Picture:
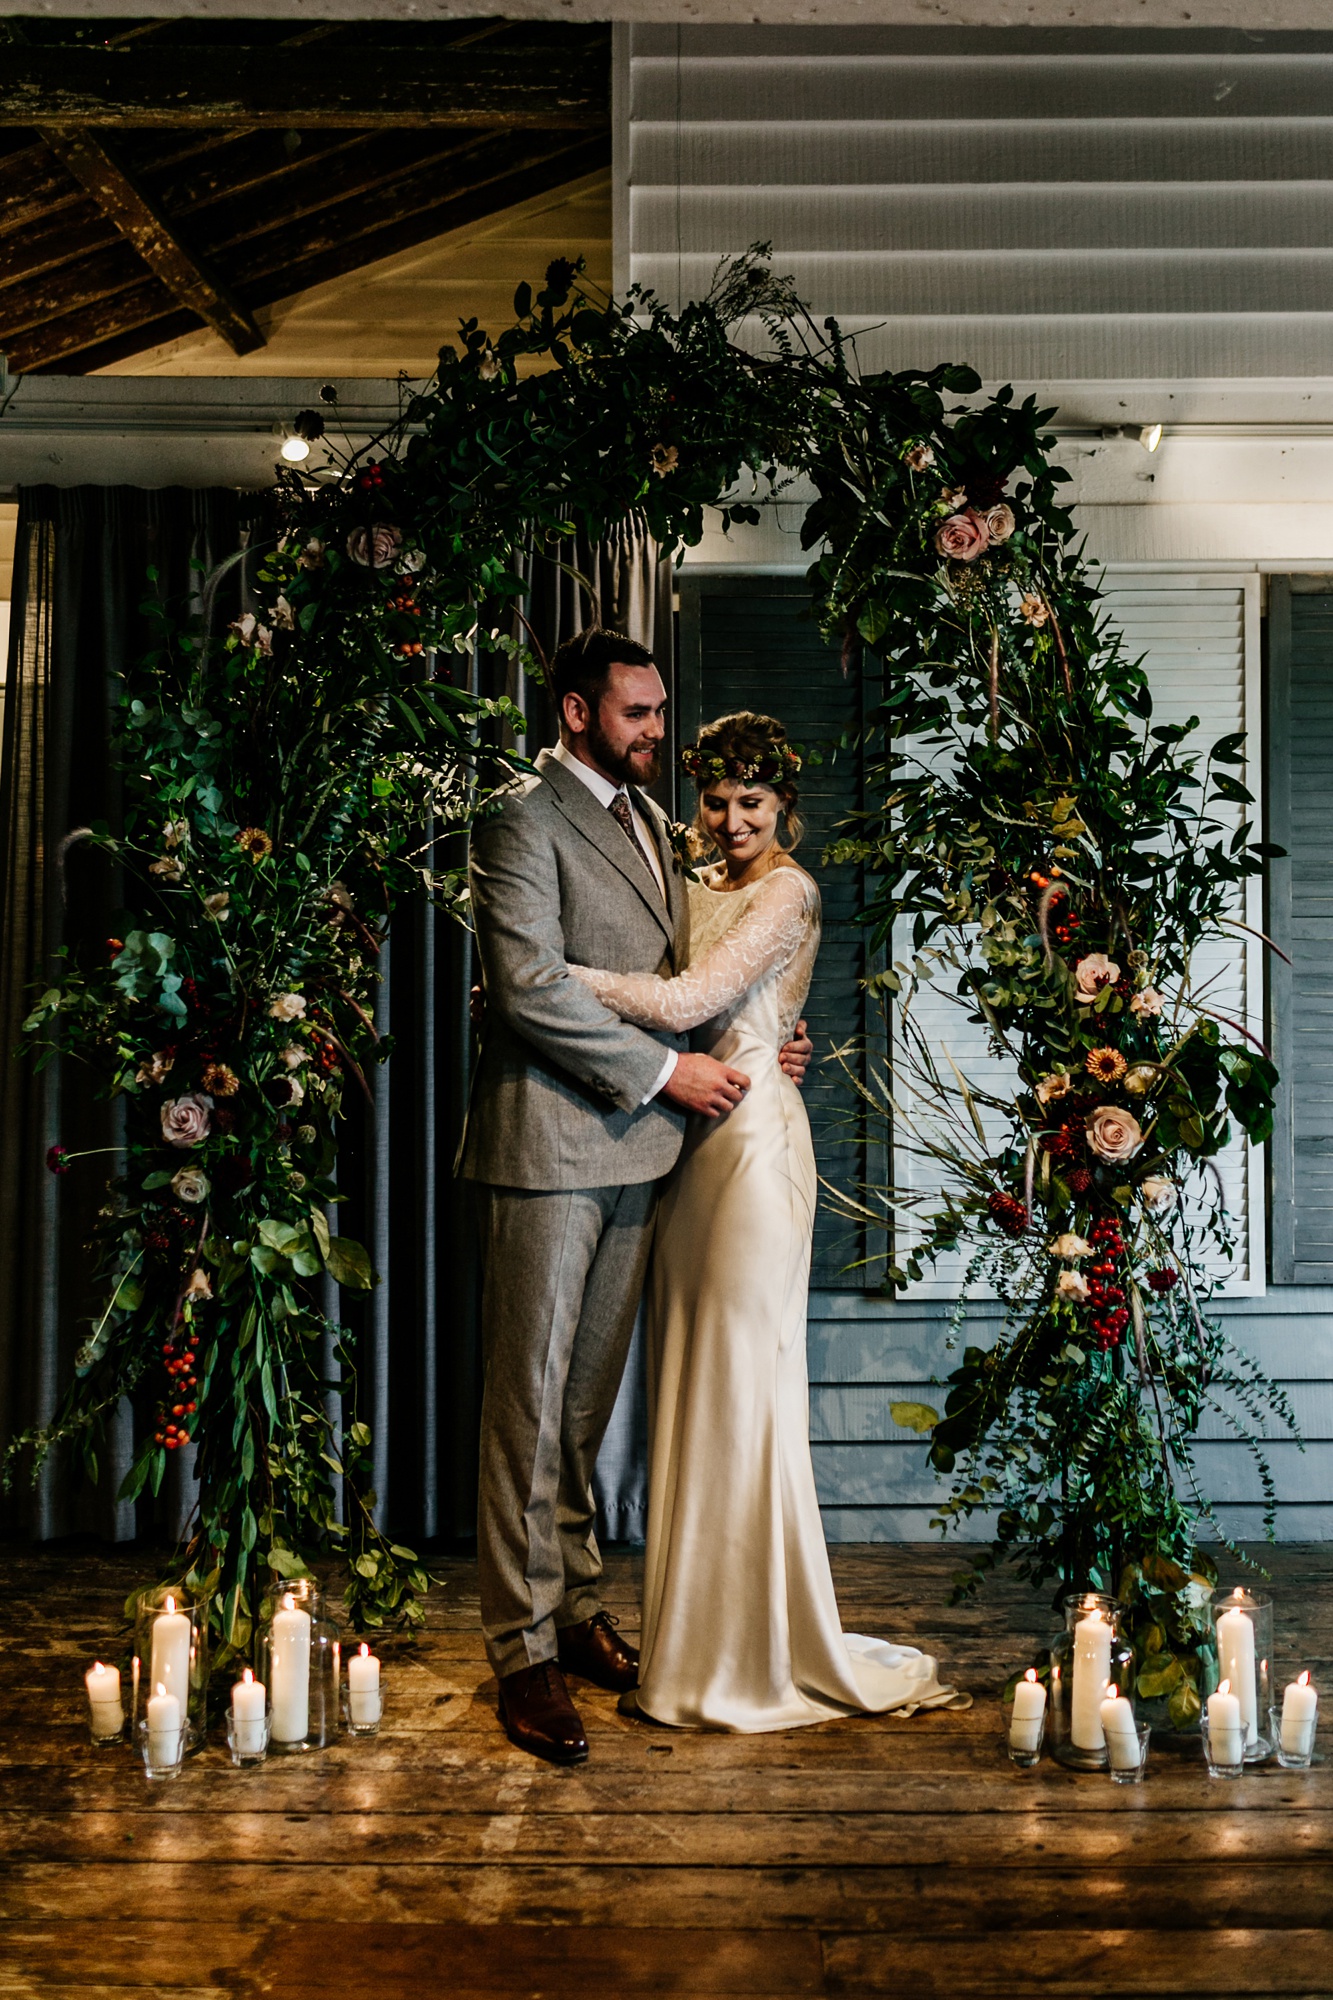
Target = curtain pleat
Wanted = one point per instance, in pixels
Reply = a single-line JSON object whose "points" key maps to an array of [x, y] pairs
{"points": [[80, 573]]}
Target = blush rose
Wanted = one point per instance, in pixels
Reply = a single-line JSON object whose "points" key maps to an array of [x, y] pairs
{"points": [[1114, 1135], [186, 1120], [963, 537]]}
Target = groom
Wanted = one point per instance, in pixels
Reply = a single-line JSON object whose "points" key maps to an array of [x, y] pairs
{"points": [[575, 1117]]}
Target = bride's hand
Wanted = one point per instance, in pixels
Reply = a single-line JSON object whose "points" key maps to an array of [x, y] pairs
{"points": [[794, 1056]]}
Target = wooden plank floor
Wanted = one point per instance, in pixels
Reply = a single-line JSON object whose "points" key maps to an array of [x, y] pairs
{"points": [[859, 1858]]}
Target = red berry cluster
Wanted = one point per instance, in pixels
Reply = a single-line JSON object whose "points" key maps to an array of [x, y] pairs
{"points": [[177, 1408], [1078, 1180], [1009, 1212], [164, 1230], [1066, 928], [1106, 1299], [1068, 1143], [323, 1054], [1164, 1279], [371, 479]]}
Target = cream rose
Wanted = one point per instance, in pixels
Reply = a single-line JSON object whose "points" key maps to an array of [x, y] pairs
{"points": [[1147, 1002], [1000, 523], [1114, 1135], [155, 1069], [962, 537], [1071, 1285], [376, 547], [294, 1055], [287, 1007], [1157, 1194], [1091, 974], [190, 1184], [1139, 1080], [185, 1120], [1071, 1246]]}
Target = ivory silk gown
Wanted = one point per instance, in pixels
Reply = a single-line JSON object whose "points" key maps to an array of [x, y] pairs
{"points": [[740, 1624]]}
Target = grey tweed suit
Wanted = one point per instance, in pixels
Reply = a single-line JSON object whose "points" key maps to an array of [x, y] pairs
{"points": [[567, 1157]]}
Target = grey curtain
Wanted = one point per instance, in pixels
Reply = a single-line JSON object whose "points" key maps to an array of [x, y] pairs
{"points": [[80, 573]]}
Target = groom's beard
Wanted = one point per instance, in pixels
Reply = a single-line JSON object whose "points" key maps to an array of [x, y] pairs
{"points": [[641, 764]]}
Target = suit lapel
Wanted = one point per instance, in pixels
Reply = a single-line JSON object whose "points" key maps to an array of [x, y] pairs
{"points": [[595, 823], [678, 905]]}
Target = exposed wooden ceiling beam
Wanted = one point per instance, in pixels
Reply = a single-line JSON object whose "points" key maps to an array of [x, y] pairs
{"points": [[124, 203], [324, 85]]}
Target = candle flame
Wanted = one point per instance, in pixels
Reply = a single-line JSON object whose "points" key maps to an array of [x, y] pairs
{"points": [[1303, 1680], [1094, 1616], [1031, 1674], [1238, 1593], [1055, 1673], [160, 1688], [289, 1602], [171, 1604], [364, 1650], [1112, 1692], [98, 1668], [247, 1676], [1224, 1687]]}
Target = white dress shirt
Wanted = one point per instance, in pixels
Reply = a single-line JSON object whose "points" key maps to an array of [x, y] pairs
{"points": [[604, 790]]}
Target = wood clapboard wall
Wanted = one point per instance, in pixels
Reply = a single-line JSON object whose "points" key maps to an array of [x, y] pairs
{"points": [[1045, 204]]}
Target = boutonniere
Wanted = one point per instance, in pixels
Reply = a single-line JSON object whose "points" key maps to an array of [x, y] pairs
{"points": [[684, 850]]}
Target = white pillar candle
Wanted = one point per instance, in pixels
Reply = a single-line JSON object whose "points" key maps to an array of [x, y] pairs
{"points": [[1092, 1671], [363, 1686], [169, 1663], [1235, 1663], [1029, 1709], [247, 1714], [103, 1684], [1120, 1730], [290, 1670], [1226, 1727], [1300, 1709], [164, 1728]]}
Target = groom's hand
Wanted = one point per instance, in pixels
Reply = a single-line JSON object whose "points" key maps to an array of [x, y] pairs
{"points": [[698, 1083], [794, 1056]]}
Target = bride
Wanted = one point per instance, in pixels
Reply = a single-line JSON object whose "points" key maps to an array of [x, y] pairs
{"points": [[740, 1623]]}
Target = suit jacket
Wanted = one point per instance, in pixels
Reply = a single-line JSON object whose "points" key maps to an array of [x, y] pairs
{"points": [[557, 1095]]}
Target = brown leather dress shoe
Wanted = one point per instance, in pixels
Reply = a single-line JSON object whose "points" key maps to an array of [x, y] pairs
{"points": [[539, 1716], [596, 1650]]}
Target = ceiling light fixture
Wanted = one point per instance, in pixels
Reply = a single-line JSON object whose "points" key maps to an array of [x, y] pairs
{"points": [[296, 450]]}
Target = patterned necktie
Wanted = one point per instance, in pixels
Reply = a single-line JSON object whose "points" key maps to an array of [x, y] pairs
{"points": [[622, 812]]}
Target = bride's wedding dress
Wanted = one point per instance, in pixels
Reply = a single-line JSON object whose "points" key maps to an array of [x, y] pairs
{"points": [[740, 1623]]}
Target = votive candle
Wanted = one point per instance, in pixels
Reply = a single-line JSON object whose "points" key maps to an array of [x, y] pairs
{"points": [[1300, 1711], [107, 1715], [363, 1686], [247, 1714]]}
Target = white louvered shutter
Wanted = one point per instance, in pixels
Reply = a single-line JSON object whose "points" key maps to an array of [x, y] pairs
{"points": [[1199, 639]]}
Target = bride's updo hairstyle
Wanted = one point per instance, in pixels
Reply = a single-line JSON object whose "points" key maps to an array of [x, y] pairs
{"points": [[753, 750]]}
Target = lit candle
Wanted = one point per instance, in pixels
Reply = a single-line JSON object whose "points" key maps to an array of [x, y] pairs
{"points": [[1235, 1662], [1120, 1730], [363, 1686], [1092, 1671], [1300, 1709], [290, 1722], [1226, 1728], [247, 1714], [1029, 1709], [103, 1684], [164, 1728], [169, 1663]]}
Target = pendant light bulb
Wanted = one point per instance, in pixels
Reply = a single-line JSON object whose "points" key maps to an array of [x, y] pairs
{"points": [[296, 450]]}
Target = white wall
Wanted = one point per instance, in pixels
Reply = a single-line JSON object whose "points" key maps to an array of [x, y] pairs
{"points": [[1136, 232]]}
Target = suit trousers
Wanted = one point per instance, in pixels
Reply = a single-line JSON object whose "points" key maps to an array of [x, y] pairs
{"points": [[562, 1274]]}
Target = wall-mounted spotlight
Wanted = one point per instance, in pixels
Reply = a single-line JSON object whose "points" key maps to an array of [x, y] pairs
{"points": [[1150, 436], [298, 437]]}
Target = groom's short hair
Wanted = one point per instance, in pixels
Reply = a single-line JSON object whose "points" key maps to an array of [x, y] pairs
{"points": [[583, 664]]}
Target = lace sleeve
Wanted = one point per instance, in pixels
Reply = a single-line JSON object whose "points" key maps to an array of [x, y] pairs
{"points": [[765, 939]]}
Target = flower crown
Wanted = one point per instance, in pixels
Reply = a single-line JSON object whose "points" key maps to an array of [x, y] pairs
{"points": [[775, 766]]}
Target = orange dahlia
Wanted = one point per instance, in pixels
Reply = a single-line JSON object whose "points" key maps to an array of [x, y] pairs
{"points": [[219, 1081], [253, 840], [1107, 1065]]}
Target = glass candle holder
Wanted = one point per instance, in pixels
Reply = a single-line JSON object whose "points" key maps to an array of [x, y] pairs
{"points": [[247, 1738], [106, 1715], [298, 1663], [1243, 1622], [171, 1651], [1221, 1748], [1291, 1731], [1086, 1658], [1125, 1773], [363, 1695], [162, 1743]]}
